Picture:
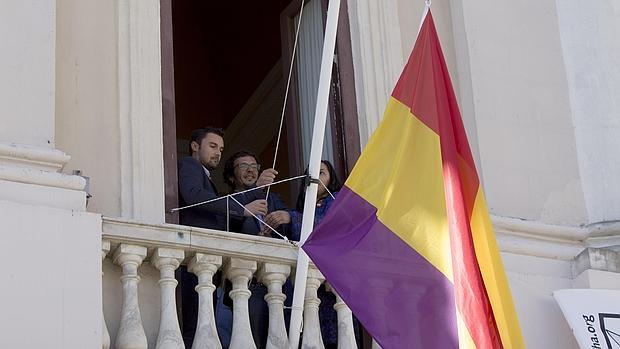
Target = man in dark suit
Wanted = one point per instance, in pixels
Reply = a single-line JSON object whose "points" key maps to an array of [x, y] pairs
{"points": [[195, 186]]}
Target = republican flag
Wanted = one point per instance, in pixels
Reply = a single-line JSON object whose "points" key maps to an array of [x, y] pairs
{"points": [[408, 243]]}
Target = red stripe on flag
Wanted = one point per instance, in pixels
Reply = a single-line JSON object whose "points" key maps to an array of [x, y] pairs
{"points": [[425, 87], [413, 91]]}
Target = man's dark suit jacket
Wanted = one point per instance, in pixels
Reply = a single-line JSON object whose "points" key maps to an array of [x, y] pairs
{"points": [[194, 187], [249, 225]]}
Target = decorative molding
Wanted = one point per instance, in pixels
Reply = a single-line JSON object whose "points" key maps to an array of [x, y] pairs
{"points": [[32, 157], [553, 241], [36, 165], [597, 259], [213, 242], [140, 110], [44, 178], [538, 229], [538, 246]]}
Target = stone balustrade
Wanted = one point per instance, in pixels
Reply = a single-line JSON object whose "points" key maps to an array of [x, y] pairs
{"points": [[140, 290]]}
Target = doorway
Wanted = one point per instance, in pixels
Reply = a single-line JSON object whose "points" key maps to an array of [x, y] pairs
{"points": [[225, 64]]}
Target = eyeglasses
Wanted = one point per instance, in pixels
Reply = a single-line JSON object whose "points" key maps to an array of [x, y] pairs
{"points": [[244, 166]]}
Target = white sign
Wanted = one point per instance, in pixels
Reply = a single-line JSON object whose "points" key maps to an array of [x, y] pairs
{"points": [[593, 315]]}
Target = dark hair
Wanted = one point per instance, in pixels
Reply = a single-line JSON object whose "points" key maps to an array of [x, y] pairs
{"points": [[199, 134], [229, 166], [334, 185]]}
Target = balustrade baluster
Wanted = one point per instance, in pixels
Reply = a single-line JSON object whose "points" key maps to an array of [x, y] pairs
{"points": [[167, 260], [239, 272], [274, 276], [205, 266], [130, 332], [346, 334], [105, 340], [312, 329]]}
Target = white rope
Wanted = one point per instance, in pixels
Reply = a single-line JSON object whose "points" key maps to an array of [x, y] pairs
{"points": [[288, 84], [237, 193], [261, 221], [329, 192]]}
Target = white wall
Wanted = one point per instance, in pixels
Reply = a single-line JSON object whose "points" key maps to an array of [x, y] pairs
{"points": [[51, 292], [525, 130], [27, 71], [591, 52], [87, 122], [532, 281]]}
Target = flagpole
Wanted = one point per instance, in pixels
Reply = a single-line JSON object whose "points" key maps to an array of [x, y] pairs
{"points": [[314, 167]]}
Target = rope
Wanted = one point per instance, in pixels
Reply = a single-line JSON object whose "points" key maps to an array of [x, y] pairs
{"points": [[329, 192], [237, 193], [261, 221], [288, 84]]}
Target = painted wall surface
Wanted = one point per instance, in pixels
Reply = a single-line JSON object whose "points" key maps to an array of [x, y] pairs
{"points": [[27, 71], [87, 122], [532, 282], [591, 51], [525, 131], [519, 108], [51, 266]]}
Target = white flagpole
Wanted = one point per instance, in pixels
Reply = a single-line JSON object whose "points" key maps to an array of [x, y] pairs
{"points": [[318, 134]]}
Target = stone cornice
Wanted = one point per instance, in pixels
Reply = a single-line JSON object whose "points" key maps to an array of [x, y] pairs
{"points": [[553, 241], [36, 165], [215, 242], [36, 158], [38, 177]]}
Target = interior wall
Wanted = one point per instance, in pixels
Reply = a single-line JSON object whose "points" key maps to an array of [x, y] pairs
{"points": [[87, 123], [227, 75], [222, 53]]}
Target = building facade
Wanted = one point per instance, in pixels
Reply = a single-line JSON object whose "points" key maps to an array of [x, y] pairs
{"points": [[112, 88]]}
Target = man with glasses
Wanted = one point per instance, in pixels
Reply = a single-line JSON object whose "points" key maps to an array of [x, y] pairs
{"points": [[241, 172]]}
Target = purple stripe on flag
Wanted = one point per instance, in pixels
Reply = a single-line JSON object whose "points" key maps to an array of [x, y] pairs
{"points": [[400, 298]]}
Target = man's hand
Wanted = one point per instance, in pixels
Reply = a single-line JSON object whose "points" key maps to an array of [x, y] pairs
{"points": [[257, 207], [266, 177], [277, 218], [266, 232]]}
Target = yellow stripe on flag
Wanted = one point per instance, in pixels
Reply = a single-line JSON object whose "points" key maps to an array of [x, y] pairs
{"points": [[495, 280], [400, 173], [465, 340]]}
